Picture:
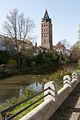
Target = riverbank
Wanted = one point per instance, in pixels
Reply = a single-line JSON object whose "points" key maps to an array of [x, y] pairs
{"points": [[56, 76], [7, 71]]}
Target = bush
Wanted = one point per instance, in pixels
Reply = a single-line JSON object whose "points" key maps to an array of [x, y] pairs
{"points": [[12, 62], [66, 60]]}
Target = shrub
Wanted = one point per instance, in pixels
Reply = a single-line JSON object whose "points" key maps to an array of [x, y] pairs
{"points": [[12, 62], [66, 60]]}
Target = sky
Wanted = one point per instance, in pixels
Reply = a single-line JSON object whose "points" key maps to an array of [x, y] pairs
{"points": [[65, 15]]}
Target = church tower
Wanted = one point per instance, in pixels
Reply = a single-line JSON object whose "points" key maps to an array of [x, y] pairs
{"points": [[46, 31]]}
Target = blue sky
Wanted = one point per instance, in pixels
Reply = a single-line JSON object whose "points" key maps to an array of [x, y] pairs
{"points": [[64, 14]]}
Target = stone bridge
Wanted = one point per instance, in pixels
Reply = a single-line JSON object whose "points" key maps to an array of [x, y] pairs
{"points": [[59, 105]]}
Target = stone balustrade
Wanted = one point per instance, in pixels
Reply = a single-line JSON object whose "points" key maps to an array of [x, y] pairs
{"points": [[54, 100]]}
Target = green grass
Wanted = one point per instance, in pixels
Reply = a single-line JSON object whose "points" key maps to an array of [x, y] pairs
{"points": [[77, 69], [26, 104], [18, 108]]}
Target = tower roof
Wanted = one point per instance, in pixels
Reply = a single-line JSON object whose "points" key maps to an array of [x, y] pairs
{"points": [[46, 17]]}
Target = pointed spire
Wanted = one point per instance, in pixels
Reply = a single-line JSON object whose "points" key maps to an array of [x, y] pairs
{"points": [[46, 17]]}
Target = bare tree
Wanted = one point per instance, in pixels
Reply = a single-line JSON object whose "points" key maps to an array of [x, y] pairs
{"points": [[65, 43], [17, 26]]}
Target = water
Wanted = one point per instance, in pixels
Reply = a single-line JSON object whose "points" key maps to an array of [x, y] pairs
{"points": [[15, 86]]}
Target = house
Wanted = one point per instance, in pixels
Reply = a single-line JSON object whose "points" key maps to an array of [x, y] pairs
{"points": [[2, 47], [59, 48], [24, 44], [62, 49], [6, 43]]}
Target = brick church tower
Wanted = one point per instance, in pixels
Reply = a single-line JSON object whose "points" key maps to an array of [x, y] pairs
{"points": [[46, 31]]}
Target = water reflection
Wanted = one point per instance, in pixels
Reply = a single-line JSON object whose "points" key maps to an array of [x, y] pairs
{"points": [[10, 89], [36, 86], [8, 93]]}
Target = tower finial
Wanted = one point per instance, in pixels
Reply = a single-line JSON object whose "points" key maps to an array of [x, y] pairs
{"points": [[46, 17]]}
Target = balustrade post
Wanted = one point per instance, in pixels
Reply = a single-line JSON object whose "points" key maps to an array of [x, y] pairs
{"points": [[67, 81], [74, 76], [52, 91]]}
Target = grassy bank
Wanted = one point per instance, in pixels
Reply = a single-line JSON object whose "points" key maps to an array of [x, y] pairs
{"points": [[18, 108]]}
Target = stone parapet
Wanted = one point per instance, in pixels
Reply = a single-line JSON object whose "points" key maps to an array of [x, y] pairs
{"points": [[55, 98]]}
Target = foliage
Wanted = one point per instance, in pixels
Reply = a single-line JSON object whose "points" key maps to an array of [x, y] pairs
{"points": [[66, 60], [12, 62], [47, 58], [44, 62], [78, 66], [76, 51], [3, 57], [78, 62]]}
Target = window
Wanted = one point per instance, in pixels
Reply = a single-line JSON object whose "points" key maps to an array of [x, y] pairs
{"points": [[44, 41], [42, 25]]}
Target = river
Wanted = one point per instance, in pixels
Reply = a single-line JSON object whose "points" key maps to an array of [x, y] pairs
{"points": [[16, 85]]}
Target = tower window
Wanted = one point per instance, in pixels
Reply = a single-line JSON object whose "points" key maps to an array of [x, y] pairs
{"points": [[43, 35], [44, 41]]}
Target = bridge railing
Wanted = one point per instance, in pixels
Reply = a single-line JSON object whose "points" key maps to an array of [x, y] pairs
{"points": [[52, 100], [55, 98], [9, 109]]}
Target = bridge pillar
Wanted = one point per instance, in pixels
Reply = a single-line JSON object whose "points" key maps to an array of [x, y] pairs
{"points": [[52, 91]]}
